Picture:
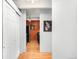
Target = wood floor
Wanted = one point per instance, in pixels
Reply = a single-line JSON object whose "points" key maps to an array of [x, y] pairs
{"points": [[35, 55], [33, 52]]}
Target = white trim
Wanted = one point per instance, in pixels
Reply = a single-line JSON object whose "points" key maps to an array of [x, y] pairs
{"points": [[14, 6]]}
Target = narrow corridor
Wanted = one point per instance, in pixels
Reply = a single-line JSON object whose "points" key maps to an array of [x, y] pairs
{"points": [[33, 46], [34, 53]]}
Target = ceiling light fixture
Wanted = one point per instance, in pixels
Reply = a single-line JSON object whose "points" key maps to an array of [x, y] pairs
{"points": [[32, 1]]}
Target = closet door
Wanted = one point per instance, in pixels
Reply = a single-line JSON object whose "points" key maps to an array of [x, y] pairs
{"points": [[10, 32]]}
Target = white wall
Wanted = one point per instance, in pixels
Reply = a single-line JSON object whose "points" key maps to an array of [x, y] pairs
{"points": [[33, 12], [45, 37], [23, 31], [11, 34], [64, 29]]}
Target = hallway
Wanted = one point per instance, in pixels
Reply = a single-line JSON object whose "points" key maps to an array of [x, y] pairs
{"points": [[24, 33], [33, 44], [34, 53], [58, 34]]}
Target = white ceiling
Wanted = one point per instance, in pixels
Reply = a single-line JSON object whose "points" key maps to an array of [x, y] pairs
{"points": [[23, 4]]}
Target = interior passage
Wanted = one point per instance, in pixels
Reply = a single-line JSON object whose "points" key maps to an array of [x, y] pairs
{"points": [[33, 42]]}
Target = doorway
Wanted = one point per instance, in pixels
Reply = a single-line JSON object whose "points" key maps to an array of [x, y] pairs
{"points": [[33, 35]]}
